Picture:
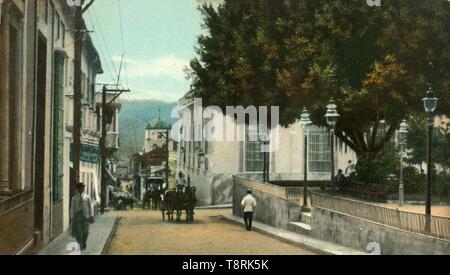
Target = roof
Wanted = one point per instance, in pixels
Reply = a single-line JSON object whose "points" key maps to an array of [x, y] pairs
{"points": [[157, 124]]}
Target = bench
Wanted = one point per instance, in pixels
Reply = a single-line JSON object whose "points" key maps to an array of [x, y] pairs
{"points": [[372, 192]]}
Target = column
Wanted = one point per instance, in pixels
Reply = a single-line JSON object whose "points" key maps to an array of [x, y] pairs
{"points": [[4, 102]]}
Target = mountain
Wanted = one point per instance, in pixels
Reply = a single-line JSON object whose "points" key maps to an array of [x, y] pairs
{"points": [[133, 119]]}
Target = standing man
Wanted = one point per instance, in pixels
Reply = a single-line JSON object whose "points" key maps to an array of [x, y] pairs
{"points": [[340, 180], [82, 214], [249, 204], [350, 171]]}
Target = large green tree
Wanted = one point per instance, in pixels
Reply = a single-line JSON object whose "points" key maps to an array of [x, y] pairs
{"points": [[376, 62], [417, 142]]}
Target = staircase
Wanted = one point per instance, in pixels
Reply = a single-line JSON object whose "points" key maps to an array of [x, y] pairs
{"points": [[303, 226]]}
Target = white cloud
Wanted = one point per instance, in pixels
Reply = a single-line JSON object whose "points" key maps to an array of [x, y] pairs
{"points": [[146, 94], [166, 66]]}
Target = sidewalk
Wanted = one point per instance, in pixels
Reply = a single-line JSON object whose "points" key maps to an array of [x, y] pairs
{"points": [[221, 206], [312, 244], [100, 234]]}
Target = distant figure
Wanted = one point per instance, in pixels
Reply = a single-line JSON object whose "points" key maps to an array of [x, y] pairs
{"points": [[249, 204], [181, 182], [82, 213], [340, 180], [350, 171], [130, 188]]}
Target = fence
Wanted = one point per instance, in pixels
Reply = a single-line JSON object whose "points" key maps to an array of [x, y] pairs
{"points": [[412, 222], [286, 193]]}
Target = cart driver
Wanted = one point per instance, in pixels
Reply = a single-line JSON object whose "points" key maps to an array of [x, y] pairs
{"points": [[181, 182]]}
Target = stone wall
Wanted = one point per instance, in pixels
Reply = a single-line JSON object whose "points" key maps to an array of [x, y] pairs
{"points": [[358, 233], [271, 209]]}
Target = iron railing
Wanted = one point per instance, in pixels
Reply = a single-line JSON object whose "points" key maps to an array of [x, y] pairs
{"points": [[408, 221]]}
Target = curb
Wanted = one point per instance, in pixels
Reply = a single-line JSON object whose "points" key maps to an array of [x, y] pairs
{"points": [[213, 207], [111, 236]]}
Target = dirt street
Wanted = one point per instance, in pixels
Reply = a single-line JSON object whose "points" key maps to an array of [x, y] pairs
{"points": [[144, 233]]}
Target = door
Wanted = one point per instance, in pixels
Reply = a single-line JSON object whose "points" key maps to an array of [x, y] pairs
{"points": [[58, 144], [40, 125]]}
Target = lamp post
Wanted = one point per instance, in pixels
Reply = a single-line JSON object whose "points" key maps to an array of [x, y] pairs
{"points": [[264, 138], [332, 118], [305, 121], [402, 135], [430, 105]]}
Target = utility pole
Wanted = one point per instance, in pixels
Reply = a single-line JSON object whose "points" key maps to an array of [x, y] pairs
{"points": [[167, 159], [76, 148], [103, 152], [103, 148]]}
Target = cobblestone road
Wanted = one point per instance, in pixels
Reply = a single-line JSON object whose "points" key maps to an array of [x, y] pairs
{"points": [[144, 233]]}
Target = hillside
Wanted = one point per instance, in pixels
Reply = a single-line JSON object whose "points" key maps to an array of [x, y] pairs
{"points": [[134, 117]]}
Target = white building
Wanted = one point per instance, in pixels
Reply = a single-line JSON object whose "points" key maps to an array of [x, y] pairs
{"points": [[155, 134], [210, 165]]}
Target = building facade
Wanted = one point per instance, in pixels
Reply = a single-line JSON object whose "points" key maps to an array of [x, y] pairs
{"points": [[210, 164], [36, 105]]}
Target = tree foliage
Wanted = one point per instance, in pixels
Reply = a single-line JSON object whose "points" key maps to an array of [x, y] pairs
{"points": [[376, 62], [417, 143]]}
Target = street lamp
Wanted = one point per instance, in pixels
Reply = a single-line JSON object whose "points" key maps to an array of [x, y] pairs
{"points": [[430, 103], [305, 121], [264, 138], [402, 135], [332, 118]]}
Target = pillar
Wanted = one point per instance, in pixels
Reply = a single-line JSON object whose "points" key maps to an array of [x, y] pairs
{"points": [[4, 102]]}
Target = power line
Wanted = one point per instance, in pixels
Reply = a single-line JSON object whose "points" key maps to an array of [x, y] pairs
{"points": [[104, 40], [101, 48]]}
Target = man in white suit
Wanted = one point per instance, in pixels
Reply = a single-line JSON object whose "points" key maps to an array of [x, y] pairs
{"points": [[249, 204], [82, 214]]}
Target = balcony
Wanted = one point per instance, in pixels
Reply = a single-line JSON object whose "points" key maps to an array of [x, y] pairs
{"points": [[112, 140]]}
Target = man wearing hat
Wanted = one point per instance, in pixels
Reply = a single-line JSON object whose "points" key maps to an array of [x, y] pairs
{"points": [[181, 182], [82, 213], [249, 204]]}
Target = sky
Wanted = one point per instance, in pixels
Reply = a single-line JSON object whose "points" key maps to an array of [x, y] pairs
{"points": [[156, 38]]}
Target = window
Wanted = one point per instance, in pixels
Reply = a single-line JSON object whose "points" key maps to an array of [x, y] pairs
{"points": [[319, 150], [63, 29], [11, 29], [46, 11], [57, 26], [254, 157], [98, 118]]}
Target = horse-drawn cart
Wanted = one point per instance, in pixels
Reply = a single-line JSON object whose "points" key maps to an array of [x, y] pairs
{"points": [[176, 201]]}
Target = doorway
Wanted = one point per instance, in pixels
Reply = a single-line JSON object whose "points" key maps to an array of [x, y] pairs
{"points": [[40, 125]]}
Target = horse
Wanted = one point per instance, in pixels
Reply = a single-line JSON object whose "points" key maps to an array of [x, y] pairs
{"points": [[189, 203], [176, 201], [171, 205], [153, 199]]}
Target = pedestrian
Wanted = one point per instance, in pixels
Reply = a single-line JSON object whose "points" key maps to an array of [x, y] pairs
{"points": [[340, 180], [249, 204], [350, 171], [82, 214]]}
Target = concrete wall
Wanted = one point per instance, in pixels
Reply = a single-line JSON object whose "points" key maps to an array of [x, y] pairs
{"points": [[16, 224], [358, 233], [271, 210]]}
